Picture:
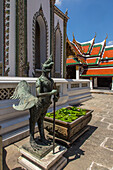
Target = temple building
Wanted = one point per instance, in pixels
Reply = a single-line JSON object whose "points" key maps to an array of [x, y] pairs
{"points": [[31, 30], [90, 60]]}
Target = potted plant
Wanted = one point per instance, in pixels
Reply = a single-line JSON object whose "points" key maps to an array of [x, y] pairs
{"points": [[70, 122]]}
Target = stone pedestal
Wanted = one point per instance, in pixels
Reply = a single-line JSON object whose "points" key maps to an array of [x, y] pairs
{"points": [[51, 161]]}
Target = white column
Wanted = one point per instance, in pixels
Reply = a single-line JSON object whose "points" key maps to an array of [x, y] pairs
{"points": [[77, 72], [95, 82], [112, 84], [91, 83]]}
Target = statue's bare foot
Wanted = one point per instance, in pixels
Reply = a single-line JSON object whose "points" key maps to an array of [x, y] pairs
{"points": [[45, 141], [35, 146]]}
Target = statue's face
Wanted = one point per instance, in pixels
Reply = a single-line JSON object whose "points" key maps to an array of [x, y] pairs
{"points": [[47, 67]]}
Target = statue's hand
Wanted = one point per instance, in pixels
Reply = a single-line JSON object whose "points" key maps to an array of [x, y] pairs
{"points": [[54, 91]]}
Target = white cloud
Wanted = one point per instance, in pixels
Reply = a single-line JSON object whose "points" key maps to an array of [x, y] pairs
{"points": [[58, 2], [110, 43]]}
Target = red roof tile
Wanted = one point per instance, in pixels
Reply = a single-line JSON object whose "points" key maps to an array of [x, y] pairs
{"points": [[92, 61], [96, 50], [108, 53], [106, 63], [71, 61], [85, 48], [98, 72]]}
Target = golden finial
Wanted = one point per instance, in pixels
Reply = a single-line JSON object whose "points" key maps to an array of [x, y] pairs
{"points": [[73, 38], [106, 36], [66, 13], [95, 35]]}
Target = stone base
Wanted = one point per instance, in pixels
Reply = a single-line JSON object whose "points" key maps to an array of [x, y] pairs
{"points": [[42, 151], [50, 161]]}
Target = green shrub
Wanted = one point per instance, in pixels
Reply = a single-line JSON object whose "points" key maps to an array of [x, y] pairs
{"points": [[68, 114]]}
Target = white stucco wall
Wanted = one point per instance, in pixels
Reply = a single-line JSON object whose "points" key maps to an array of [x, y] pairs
{"points": [[33, 7], [12, 38], [1, 30], [60, 20]]}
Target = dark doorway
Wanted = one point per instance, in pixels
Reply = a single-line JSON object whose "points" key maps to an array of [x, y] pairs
{"points": [[71, 72], [104, 82], [37, 46]]}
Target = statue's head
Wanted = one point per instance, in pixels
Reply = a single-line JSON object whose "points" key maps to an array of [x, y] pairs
{"points": [[47, 66]]}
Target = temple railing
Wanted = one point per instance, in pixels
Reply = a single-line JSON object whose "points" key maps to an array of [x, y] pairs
{"points": [[15, 123]]}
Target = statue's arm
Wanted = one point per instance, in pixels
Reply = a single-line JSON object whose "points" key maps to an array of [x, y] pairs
{"points": [[38, 90], [56, 96], [46, 94]]}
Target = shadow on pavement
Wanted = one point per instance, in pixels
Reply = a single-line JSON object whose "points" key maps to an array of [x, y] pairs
{"points": [[5, 167], [74, 151]]}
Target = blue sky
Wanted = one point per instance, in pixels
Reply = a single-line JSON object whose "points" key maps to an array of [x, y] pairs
{"points": [[88, 17]]}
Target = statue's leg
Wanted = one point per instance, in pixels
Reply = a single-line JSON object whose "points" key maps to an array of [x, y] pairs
{"points": [[41, 128], [32, 121], [31, 127]]}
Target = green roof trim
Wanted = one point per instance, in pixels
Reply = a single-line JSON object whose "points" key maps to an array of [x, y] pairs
{"points": [[110, 48], [97, 75], [72, 64], [106, 65], [108, 58]]}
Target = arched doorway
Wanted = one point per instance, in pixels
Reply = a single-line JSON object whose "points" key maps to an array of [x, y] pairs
{"points": [[40, 43], [58, 51]]}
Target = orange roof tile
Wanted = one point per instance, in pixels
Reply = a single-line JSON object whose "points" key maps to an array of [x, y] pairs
{"points": [[106, 63], [98, 72], [108, 53], [85, 48], [92, 61], [71, 61], [96, 50]]}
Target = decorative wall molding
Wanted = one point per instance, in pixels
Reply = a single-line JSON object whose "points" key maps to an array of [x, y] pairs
{"points": [[6, 93], [57, 28], [6, 33], [36, 15], [21, 37]]}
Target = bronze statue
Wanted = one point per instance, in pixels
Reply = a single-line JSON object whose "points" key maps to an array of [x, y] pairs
{"points": [[37, 105]]}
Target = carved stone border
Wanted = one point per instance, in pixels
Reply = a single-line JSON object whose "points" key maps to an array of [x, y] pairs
{"points": [[21, 37], [58, 28], [36, 15], [6, 33]]}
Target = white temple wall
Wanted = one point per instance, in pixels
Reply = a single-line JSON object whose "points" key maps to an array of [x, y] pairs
{"points": [[35, 4], [12, 39], [60, 20], [1, 30]]}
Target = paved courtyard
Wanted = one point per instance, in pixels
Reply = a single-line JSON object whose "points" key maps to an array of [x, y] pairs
{"points": [[93, 150]]}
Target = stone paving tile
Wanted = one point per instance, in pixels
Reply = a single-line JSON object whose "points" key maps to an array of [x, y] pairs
{"points": [[96, 166], [108, 120], [10, 158], [110, 127], [94, 149], [108, 143], [88, 149]]}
